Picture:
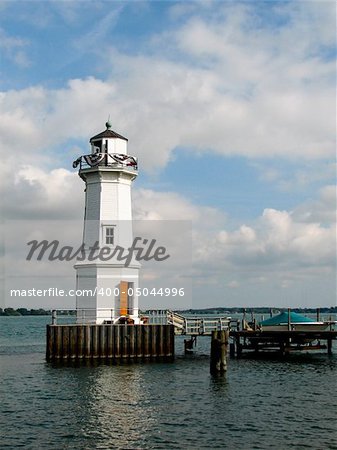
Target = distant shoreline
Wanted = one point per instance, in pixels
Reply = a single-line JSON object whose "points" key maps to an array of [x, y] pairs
{"points": [[33, 312], [216, 310]]}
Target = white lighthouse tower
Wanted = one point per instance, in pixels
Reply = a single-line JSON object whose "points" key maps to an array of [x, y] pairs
{"points": [[107, 287]]}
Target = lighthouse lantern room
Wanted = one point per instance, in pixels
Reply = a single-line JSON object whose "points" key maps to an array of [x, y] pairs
{"points": [[106, 286]]}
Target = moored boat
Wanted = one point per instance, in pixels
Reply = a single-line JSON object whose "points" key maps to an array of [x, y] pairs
{"points": [[297, 322]]}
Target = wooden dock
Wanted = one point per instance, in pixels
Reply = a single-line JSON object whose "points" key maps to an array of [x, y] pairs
{"points": [[113, 342], [191, 326], [155, 339], [281, 342]]}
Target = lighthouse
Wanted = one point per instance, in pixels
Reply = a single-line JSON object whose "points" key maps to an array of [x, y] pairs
{"points": [[106, 287]]}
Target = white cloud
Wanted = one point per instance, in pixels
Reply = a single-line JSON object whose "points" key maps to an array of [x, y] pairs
{"points": [[33, 193], [233, 284], [13, 49], [224, 87], [224, 81], [277, 237], [321, 210], [295, 178], [151, 205], [278, 248], [93, 40], [277, 240]]}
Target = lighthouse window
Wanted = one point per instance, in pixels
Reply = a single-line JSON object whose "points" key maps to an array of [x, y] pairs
{"points": [[109, 235], [98, 146]]}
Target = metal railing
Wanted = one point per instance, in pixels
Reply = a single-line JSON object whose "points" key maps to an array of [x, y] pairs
{"points": [[90, 315], [112, 160], [193, 326]]}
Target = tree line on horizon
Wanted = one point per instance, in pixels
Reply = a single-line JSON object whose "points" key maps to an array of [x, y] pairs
{"points": [[231, 310], [258, 310], [32, 312]]}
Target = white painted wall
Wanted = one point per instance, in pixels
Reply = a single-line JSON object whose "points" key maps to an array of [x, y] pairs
{"points": [[107, 202], [103, 281], [117, 146], [114, 146]]}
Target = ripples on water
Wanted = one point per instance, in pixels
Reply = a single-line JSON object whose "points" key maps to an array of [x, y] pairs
{"points": [[264, 404]]}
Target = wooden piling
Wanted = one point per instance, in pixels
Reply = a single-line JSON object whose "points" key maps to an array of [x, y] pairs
{"points": [[132, 343], [243, 325], [329, 342], [117, 341], [65, 341], [219, 343], [56, 344], [168, 340], [94, 341], [73, 340], [153, 342], [146, 342], [161, 342], [87, 342], [138, 344], [102, 341], [232, 349], [81, 340], [289, 319], [50, 341], [189, 343], [124, 342], [110, 343], [107, 341]]}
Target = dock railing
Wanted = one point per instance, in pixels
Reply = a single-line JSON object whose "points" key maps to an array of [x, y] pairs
{"points": [[185, 325], [85, 315], [191, 325]]}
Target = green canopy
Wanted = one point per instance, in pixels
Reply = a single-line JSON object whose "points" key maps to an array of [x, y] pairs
{"points": [[283, 318]]}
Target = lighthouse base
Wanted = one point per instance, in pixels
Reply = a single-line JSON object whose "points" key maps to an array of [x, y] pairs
{"points": [[112, 342], [106, 293]]}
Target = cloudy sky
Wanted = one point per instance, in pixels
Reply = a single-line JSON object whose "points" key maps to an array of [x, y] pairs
{"points": [[230, 107]]}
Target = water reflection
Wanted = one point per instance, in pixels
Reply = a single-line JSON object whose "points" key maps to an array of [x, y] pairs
{"points": [[119, 410], [218, 385], [112, 405], [166, 405]]}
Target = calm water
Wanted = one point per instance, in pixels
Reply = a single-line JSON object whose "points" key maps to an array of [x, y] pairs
{"points": [[257, 405]]}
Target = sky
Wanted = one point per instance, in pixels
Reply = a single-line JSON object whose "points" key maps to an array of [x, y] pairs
{"points": [[230, 108]]}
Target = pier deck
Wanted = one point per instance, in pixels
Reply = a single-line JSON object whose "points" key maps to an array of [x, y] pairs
{"points": [[155, 338], [282, 342]]}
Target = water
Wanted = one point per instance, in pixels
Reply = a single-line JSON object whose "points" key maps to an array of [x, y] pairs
{"points": [[265, 404]]}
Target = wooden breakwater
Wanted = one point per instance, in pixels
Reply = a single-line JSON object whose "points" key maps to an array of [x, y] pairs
{"points": [[113, 342]]}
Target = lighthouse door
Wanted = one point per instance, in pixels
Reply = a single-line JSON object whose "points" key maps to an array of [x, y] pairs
{"points": [[123, 295]]}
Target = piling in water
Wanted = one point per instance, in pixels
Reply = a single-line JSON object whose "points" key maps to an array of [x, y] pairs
{"points": [[219, 345]]}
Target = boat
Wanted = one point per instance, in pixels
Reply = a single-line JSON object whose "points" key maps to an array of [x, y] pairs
{"points": [[297, 323]]}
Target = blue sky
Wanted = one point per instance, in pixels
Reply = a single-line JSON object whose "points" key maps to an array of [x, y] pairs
{"points": [[230, 107]]}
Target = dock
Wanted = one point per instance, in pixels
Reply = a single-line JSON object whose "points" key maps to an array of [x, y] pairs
{"points": [[155, 339], [279, 342], [247, 340]]}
